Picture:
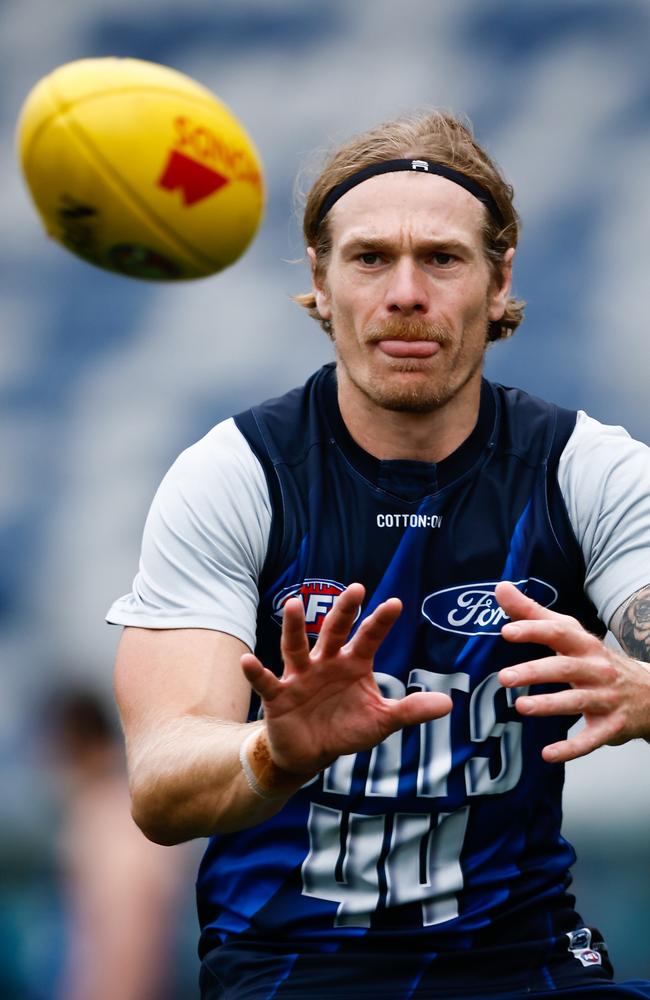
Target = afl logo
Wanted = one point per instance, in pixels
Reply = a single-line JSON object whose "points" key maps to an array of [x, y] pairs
{"points": [[472, 608], [318, 597]]}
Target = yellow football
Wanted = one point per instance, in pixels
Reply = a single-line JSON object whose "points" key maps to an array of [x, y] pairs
{"points": [[139, 169]]}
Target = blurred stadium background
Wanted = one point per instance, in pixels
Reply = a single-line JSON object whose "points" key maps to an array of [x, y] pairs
{"points": [[105, 379]]}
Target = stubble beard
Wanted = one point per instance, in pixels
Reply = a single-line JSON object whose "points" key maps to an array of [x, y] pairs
{"points": [[428, 394]]}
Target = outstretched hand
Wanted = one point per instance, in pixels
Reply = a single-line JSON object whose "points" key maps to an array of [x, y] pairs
{"points": [[327, 702], [611, 691]]}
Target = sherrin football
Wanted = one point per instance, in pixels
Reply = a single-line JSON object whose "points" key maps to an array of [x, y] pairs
{"points": [[138, 169]]}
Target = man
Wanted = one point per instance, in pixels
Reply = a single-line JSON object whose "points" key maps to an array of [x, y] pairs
{"points": [[119, 913], [408, 550]]}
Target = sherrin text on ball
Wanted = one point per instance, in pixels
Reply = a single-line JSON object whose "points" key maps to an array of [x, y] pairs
{"points": [[139, 169]]}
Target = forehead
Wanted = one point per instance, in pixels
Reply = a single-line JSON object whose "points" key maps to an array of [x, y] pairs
{"points": [[408, 204]]}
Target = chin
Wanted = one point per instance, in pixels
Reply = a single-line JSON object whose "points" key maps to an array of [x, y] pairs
{"points": [[412, 404], [409, 398]]}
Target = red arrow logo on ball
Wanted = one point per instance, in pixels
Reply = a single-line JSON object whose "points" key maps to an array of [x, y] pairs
{"points": [[194, 179]]}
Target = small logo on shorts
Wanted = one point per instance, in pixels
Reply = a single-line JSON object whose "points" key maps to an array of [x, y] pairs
{"points": [[580, 947]]}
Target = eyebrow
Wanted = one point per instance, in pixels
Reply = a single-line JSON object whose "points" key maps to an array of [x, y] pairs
{"points": [[361, 243]]}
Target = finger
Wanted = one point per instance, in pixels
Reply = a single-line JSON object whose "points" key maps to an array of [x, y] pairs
{"points": [[339, 620], [563, 634], [263, 681], [420, 707], [518, 605], [558, 669], [374, 629], [294, 644], [575, 701], [590, 738]]}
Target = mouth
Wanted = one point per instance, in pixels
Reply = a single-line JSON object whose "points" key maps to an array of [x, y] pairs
{"points": [[408, 348]]}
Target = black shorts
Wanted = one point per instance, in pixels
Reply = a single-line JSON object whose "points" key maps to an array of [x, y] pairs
{"points": [[570, 969]]}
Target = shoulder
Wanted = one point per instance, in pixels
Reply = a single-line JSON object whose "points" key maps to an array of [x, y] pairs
{"points": [[595, 449], [221, 462], [205, 542], [604, 471], [285, 427], [525, 404], [532, 426], [604, 478], [223, 445], [214, 494], [601, 468]]}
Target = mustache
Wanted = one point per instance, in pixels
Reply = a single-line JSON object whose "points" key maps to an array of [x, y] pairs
{"points": [[411, 329]]}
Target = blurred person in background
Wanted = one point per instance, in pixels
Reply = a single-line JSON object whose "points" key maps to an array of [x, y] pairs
{"points": [[121, 891], [425, 564]]}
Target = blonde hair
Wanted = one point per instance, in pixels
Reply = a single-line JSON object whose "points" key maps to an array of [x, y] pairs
{"points": [[431, 135]]}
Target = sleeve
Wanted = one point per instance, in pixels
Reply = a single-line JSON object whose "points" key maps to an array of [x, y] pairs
{"points": [[604, 477], [205, 541]]}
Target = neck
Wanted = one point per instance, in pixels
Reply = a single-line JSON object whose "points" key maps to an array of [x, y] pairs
{"points": [[422, 437]]}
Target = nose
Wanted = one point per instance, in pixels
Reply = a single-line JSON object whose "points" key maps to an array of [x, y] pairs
{"points": [[407, 291]]}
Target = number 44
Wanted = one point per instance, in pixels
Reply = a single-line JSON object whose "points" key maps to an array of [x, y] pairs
{"points": [[422, 863]]}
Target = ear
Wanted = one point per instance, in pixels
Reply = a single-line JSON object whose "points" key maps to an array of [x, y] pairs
{"points": [[319, 286], [501, 287]]}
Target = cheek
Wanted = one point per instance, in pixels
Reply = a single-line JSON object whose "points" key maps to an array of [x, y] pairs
{"points": [[352, 307], [474, 306], [455, 312]]}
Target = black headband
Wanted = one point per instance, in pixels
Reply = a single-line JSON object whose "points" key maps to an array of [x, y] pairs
{"points": [[423, 166]]}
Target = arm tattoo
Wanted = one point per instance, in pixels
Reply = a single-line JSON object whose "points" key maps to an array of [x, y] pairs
{"points": [[634, 629]]}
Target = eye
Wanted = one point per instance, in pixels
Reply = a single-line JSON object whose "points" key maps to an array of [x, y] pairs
{"points": [[442, 259], [369, 258]]}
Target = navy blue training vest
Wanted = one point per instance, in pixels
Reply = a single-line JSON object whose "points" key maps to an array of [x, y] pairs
{"points": [[447, 829]]}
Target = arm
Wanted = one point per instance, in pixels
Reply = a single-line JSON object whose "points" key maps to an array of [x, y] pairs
{"points": [[184, 698], [609, 689], [603, 476], [183, 701], [631, 625]]}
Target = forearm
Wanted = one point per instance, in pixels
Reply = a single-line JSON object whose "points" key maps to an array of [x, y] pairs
{"points": [[187, 780]]}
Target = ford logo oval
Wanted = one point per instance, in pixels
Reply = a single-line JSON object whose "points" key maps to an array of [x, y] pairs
{"points": [[472, 608]]}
